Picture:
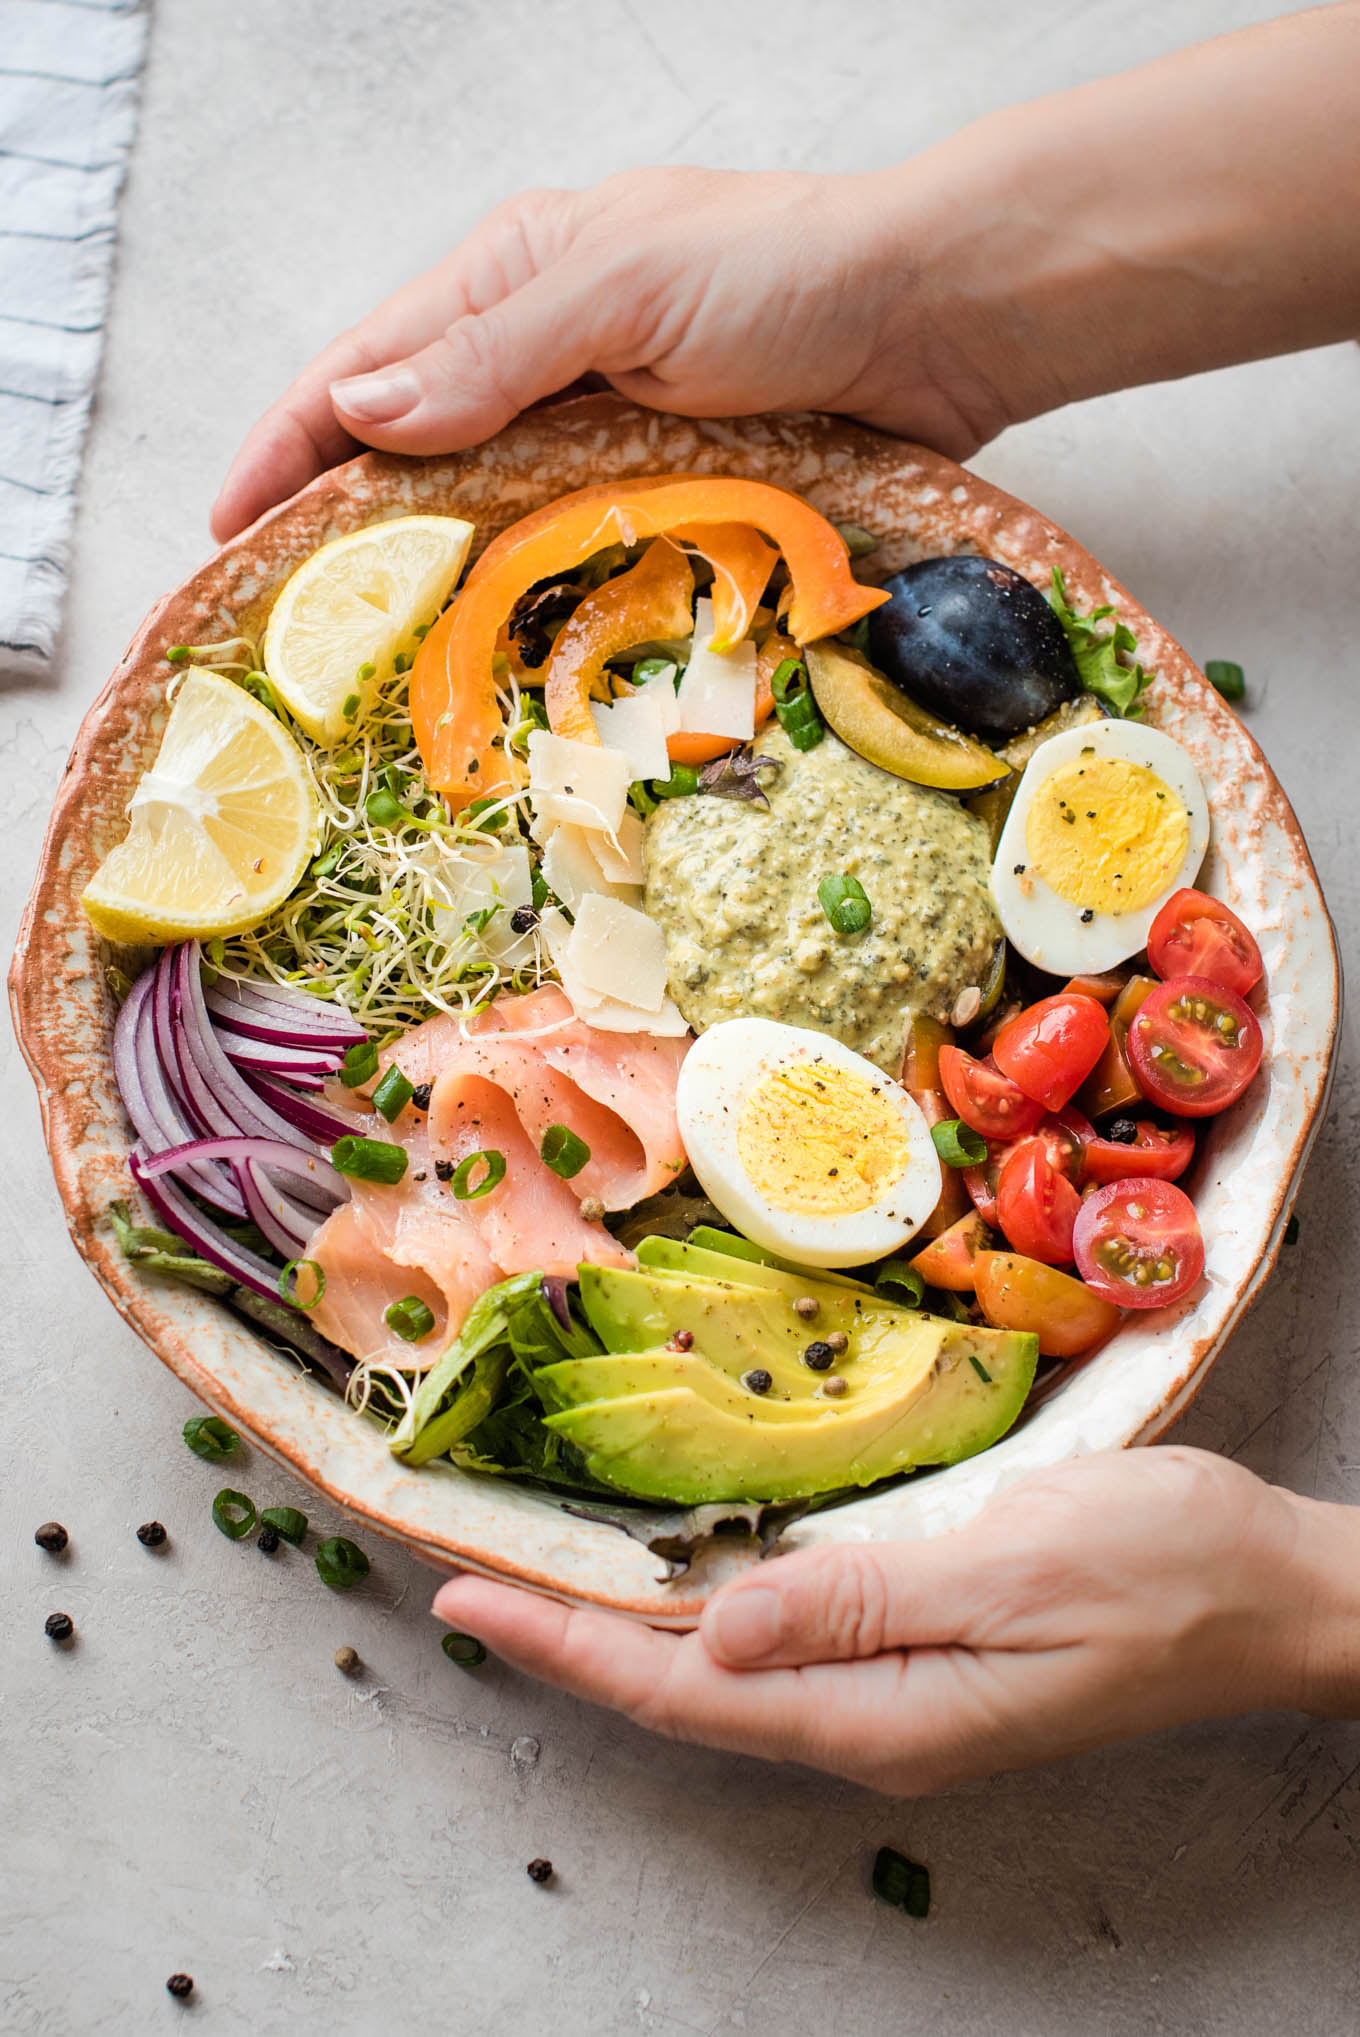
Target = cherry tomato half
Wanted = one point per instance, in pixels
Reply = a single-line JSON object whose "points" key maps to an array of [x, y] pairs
{"points": [[1049, 1050], [985, 1098], [980, 1182], [1022, 1294], [1138, 1243], [947, 1261], [1195, 935], [1151, 1154], [1036, 1205], [1193, 1046], [1064, 1137]]}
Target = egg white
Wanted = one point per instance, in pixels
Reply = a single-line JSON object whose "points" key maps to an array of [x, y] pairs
{"points": [[1046, 928], [719, 1073]]}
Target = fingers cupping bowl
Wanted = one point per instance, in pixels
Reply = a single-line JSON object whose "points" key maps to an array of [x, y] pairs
{"points": [[683, 1008]]}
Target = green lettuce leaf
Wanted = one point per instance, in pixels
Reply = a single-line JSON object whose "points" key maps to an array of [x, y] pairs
{"points": [[1098, 654]]}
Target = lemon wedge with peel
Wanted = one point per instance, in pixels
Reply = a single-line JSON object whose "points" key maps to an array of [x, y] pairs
{"points": [[351, 609], [222, 824]]}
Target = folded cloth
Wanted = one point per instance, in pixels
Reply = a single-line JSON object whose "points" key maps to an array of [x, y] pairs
{"points": [[68, 112]]}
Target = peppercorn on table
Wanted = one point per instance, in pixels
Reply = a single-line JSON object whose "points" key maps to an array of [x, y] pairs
{"points": [[292, 1807]]}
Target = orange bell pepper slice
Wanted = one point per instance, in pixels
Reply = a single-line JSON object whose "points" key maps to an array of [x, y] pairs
{"points": [[655, 598], [454, 709], [689, 748], [742, 563]]}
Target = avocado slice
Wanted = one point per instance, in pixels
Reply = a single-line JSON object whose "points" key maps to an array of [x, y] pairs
{"points": [[580, 1382], [959, 1392], [669, 1255]]}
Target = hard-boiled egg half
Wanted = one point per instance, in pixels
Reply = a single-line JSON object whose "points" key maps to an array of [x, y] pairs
{"points": [[1107, 821], [804, 1145]]}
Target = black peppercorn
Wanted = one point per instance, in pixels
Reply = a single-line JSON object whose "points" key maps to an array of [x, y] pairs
{"points": [[1123, 1131], [268, 1541], [523, 919], [151, 1534], [421, 1094], [540, 1870], [758, 1380], [443, 1170], [52, 1537], [59, 1626], [818, 1354], [180, 1985]]}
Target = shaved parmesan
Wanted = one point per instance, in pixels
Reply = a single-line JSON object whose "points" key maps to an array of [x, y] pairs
{"points": [[609, 1014], [717, 695], [571, 868], [636, 728], [620, 855], [582, 783], [661, 689], [619, 953]]}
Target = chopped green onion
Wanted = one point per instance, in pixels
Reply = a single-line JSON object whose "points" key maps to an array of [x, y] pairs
{"points": [[683, 781], [845, 903], [1226, 678], [208, 1436], [958, 1145], [903, 1883], [384, 811], [294, 1300], [285, 1521], [898, 1280], [393, 1094], [793, 703], [325, 863], [495, 1174], [368, 1159], [464, 1649], [340, 1563], [178, 654], [981, 1370], [233, 1513], [563, 1151], [410, 1317], [360, 1064]]}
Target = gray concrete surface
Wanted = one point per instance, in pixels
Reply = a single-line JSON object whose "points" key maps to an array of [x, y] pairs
{"points": [[194, 1786]]}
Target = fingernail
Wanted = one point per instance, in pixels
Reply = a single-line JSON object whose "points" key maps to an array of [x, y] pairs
{"points": [[380, 399], [746, 1625]]}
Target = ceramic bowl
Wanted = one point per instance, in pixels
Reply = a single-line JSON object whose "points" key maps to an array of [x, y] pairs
{"points": [[1246, 1174]]}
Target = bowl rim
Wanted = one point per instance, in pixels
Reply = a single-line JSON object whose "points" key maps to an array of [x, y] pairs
{"points": [[56, 969]]}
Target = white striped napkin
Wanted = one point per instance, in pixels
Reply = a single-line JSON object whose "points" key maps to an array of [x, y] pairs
{"points": [[68, 111]]}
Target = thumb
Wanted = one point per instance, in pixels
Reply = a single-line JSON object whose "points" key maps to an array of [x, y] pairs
{"points": [[842, 1603], [482, 371]]}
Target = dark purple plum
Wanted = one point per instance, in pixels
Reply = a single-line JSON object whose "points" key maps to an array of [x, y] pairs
{"points": [[975, 642]]}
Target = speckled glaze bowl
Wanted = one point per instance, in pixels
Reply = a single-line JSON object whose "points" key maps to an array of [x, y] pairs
{"points": [[1245, 1177]]}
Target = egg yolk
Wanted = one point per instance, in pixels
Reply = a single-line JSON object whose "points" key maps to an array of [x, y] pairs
{"points": [[820, 1141], [1107, 834]]}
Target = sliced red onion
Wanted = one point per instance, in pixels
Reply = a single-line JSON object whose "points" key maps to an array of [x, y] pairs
{"points": [[325, 1126], [275, 1015], [158, 1113], [279, 1158], [237, 1109], [286, 1224], [257, 1057], [555, 1294], [207, 1238]]}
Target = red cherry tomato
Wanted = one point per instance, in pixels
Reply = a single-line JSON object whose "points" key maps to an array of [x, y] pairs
{"points": [[1195, 935], [1063, 1136], [1036, 1206], [1193, 1046], [1152, 1153], [985, 1098], [980, 1181], [1138, 1243], [1049, 1050]]}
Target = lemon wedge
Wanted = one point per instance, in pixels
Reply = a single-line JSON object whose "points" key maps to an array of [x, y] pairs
{"points": [[222, 824], [351, 609]]}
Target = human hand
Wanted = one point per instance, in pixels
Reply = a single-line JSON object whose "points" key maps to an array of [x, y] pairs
{"points": [[1103, 1598], [711, 293]]}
